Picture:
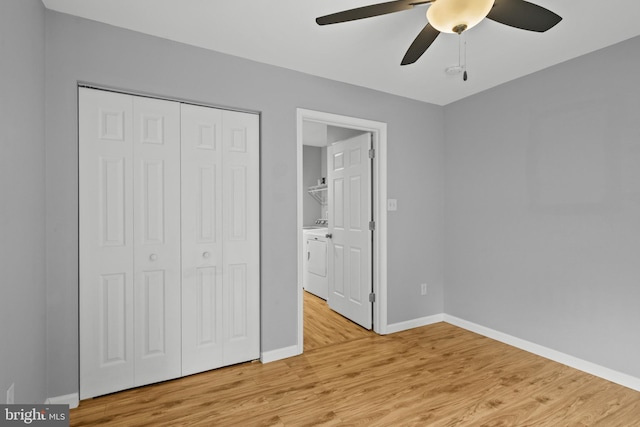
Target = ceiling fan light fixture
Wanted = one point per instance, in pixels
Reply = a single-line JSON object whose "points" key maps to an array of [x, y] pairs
{"points": [[455, 16]]}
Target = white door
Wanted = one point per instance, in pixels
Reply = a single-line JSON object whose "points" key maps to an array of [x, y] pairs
{"points": [[201, 239], [106, 242], [220, 244], [155, 190], [241, 234], [156, 233], [350, 245], [129, 170]]}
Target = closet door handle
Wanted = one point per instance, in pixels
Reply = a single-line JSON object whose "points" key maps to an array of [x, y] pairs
{"points": [[153, 257], [206, 255]]}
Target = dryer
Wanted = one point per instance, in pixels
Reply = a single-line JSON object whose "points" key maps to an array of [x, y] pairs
{"points": [[315, 279]]}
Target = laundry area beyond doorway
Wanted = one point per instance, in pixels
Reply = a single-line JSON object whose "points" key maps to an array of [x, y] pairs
{"points": [[319, 203], [342, 235], [337, 213], [337, 237]]}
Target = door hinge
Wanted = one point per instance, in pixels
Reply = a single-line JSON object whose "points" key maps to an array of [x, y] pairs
{"points": [[372, 225], [372, 297], [372, 153]]}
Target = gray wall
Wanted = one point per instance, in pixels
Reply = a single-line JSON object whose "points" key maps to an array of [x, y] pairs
{"points": [[22, 208], [311, 172], [335, 134], [83, 50], [543, 208], [542, 184]]}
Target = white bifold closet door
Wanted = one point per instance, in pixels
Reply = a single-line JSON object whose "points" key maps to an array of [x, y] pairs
{"points": [[168, 240], [220, 238], [129, 188]]}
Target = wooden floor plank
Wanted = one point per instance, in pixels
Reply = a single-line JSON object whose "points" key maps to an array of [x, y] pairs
{"points": [[437, 375], [324, 327]]}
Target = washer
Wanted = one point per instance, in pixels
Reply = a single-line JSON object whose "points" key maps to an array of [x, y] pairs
{"points": [[315, 262]]}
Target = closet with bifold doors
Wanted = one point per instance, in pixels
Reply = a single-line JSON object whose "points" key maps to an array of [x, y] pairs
{"points": [[168, 239]]}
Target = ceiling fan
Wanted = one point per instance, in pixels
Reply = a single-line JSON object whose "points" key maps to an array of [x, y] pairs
{"points": [[454, 16]]}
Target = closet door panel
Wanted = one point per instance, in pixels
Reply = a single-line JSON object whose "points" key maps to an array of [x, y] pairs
{"points": [[241, 261], [106, 242], [202, 243], [156, 153], [169, 240]]}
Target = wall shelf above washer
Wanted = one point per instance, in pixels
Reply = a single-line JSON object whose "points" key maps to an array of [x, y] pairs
{"points": [[319, 193]]}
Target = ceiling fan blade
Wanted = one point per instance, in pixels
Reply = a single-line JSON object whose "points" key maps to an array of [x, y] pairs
{"points": [[369, 11], [420, 44], [523, 15]]}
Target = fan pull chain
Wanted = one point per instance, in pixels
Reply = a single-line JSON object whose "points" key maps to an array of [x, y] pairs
{"points": [[464, 75], [462, 65]]}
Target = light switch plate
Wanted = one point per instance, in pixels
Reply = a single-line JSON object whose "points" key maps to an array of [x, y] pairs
{"points": [[392, 204]]}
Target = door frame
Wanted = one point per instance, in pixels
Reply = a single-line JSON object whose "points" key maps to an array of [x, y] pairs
{"points": [[379, 140]]}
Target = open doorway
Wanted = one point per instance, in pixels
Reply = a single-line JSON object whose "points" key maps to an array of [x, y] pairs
{"points": [[338, 128]]}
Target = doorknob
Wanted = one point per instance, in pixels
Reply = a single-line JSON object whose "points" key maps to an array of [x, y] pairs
{"points": [[206, 255], [153, 257], [328, 235]]}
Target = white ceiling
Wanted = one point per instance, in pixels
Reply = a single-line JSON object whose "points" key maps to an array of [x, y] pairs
{"points": [[368, 52]]}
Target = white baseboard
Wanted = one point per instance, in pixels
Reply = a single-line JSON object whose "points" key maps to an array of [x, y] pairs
{"points": [[281, 353], [73, 400], [574, 362], [414, 323]]}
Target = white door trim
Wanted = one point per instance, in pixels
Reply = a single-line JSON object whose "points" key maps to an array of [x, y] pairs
{"points": [[379, 133]]}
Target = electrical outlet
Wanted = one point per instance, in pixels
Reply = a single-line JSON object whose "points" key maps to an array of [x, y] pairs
{"points": [[10, 394], [423, 289], [392, 204]]}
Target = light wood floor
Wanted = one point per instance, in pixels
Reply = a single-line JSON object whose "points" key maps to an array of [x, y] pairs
{"points": [[324, 327], [437, 375]]}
